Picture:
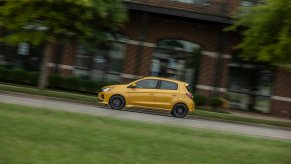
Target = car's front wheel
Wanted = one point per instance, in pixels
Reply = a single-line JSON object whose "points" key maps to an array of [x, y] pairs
{"points": [[180, 110], [117, 102]]}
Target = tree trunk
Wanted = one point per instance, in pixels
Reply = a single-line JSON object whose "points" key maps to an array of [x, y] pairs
{"points": [[42, 82]]}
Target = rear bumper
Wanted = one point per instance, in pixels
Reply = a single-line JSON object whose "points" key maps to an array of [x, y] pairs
{"points": [[192, 107]]}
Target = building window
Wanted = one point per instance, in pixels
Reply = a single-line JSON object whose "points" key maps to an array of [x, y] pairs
{"points": [[103, 65], [250, 87], [25, 56], [23, 48], [176, 59]]}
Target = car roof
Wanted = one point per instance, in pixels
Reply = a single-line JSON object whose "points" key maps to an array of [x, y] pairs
{"points": [[162, 78]]}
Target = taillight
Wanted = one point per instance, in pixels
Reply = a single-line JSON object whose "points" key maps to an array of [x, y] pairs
{"points": [[189, 95]]}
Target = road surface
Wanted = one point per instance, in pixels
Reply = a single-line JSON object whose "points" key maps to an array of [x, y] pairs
{"points": [[247, 129]]}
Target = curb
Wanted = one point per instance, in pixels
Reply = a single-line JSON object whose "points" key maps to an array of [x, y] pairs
{"points": [[240, 122], [47, 97]]}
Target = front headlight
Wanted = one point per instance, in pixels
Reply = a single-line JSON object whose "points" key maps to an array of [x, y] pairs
{"points": [[105, 89]]}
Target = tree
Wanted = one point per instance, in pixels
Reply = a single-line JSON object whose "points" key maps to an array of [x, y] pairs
{"points": [[49, 21], [266, 29]]}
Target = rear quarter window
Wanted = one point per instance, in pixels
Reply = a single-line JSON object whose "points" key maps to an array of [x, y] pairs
{"points": [[189, 88], [167, 85]]}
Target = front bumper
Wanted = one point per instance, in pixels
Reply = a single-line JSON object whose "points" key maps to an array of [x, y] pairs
{"points": [[102, 98]]}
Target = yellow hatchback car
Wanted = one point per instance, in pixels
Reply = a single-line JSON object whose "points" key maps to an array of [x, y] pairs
{"points": [[150, 92]]}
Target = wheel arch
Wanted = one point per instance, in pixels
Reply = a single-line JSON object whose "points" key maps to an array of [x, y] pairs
{"points": [[180, 102], [117, 94]]}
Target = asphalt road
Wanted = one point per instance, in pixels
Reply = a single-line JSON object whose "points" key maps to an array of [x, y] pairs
{"points": [[247, 129]]}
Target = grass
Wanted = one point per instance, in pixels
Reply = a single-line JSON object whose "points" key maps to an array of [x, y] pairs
{"points": [[34, 135], [92, 99]]}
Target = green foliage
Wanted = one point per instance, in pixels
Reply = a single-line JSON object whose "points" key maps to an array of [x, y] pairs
{"points": [[4, 74], [40, 21], [55, 81], [75, 84], [19, 76], [267, 34], [215, 102], [200, 99]]}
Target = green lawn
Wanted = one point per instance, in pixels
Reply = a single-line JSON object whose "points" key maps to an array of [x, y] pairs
{"points": [[93, 99], [32, 135]]}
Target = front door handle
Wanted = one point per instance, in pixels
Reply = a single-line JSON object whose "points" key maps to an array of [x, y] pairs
{"points": [[152, 94]]}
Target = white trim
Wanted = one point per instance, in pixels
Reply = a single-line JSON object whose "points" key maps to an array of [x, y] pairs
{"points": [[147, 44], [227, 56], [211, 54], [129, 76], [141, 43], [82, 56], [215, 54], [234, 65], [62, 66], [280, 98], [284, 65], [134, 42], [205, 87]]}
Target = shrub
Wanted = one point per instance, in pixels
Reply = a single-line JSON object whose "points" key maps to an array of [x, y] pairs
{"points": [[216, 102], [32, 78], [4, 74], [19, 76], [72, 83], [56, 81], [200, 99], [91, 86]]}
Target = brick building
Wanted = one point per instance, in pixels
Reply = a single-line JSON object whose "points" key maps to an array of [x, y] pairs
{"points": [[181, 39]]}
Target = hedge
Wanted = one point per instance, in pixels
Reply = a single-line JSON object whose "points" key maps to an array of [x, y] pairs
{"points": [[20, 76], [216, 102], [200, 99]]}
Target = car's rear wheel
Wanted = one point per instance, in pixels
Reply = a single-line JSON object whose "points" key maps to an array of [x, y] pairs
{"points": [[117, 102], [179, 110]]}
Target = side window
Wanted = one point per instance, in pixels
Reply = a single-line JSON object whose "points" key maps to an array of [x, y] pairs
{"points": [[168, 85], [147, 84]]}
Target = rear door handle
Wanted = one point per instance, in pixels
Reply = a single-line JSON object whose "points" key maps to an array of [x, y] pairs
{"points": [[152, 94]]}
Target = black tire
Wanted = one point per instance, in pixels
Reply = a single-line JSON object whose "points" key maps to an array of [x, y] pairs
{"points": [[117, 102], [179, 110]]}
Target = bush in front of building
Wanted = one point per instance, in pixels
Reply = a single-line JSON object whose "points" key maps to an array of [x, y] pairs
{"points": [[4, 74], [216, 102], [200, 99], [74, 84], [55, 81], [20, 76]]}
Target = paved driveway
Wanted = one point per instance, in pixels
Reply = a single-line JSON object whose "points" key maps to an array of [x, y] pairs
{"points": [[254, 130]]}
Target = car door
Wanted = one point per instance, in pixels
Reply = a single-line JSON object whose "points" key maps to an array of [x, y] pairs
{"points": [[167, 94], [143, 95]]}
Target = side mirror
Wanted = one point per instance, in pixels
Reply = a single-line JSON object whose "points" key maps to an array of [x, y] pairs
{"points": [[132, 85]]}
